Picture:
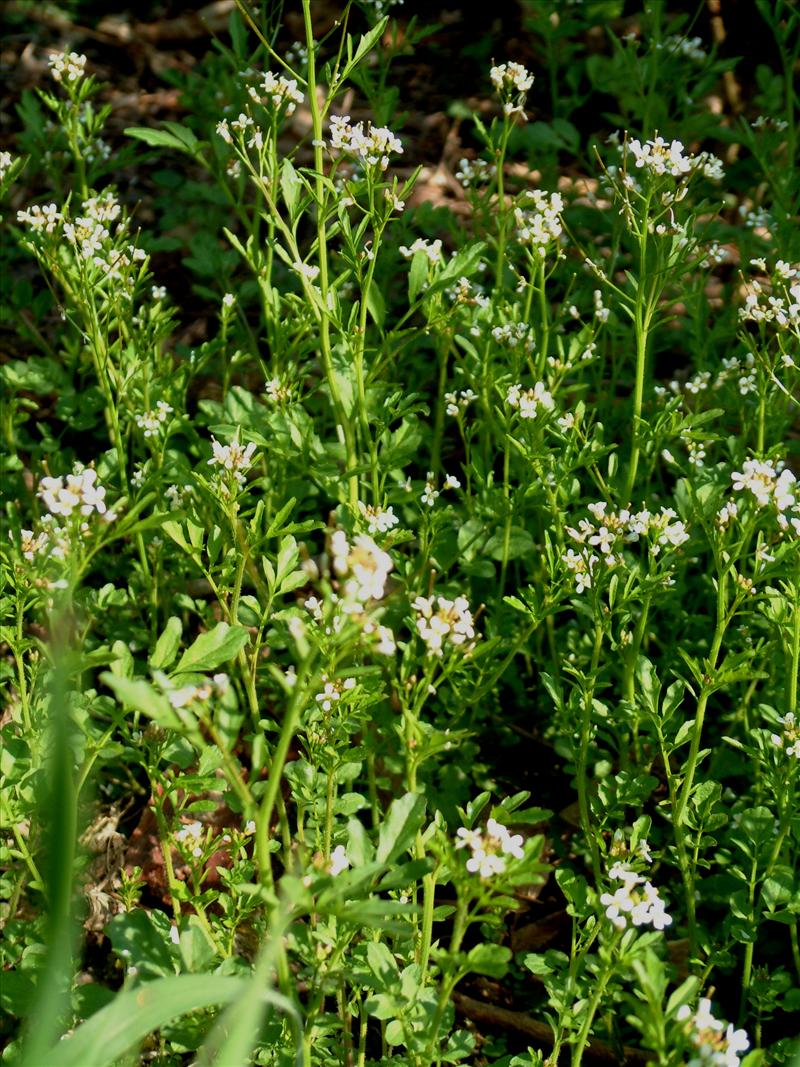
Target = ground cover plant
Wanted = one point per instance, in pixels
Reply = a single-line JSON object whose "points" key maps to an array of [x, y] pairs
{"points": [[401, 552]]}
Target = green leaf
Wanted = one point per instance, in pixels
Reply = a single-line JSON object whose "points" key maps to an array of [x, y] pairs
{"points": [[383, 966], [140, 695], [417, 275], [213, 648], [291, 187], [167, 645], [366, 43], [376, 305], [142, 940], [399, 829], [135, 1013], [491, 960], [178, 137]]}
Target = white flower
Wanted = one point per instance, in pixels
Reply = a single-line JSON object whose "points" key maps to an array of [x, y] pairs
{"points": [[441, 622], [66, 66], [364, 566], [430, 493], [511, 78], [233, 457], [77, 492], [371, 145], [281, 91], [228, 300], [789, 739], [635, 902], [6, 160], [529, 401], [30, 545], [151, 422], [45, 217], [758, 477], [379, 520], [339, 861], [307, 270], [332, 691], [660, 157], [716, 1044], [432, 249], [540, 223], [489, 849]]}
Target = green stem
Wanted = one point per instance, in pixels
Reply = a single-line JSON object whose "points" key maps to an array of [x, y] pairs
{"points": [[264, 819], [448, 984], [594, 1002], [583, 756], [791, 693], [702, 703], [344, 425]]}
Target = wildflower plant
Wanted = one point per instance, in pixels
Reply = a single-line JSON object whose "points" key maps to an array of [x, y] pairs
{"points": [[417, 632]]}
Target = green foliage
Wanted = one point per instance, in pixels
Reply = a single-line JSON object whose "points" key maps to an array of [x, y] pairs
{"points": [[443, 600]]}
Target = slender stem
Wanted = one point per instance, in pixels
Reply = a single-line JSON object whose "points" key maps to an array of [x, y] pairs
{"points": [[583, 755], [330, 800], [508, 509], [594, 1002], [791, 691], [694, 748], [264, 819], [344, 426]]}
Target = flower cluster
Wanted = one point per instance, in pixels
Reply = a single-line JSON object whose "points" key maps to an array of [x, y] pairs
{"points": [[371, 145], [30, 544], [432, 249], [363, 566], [458, 402], [538, 219], [276, 391], [789, 738], [716, 1044], [89, 235], [465, 293], [41, 218], [443, 623], [777, 302], [636, 901], [189, 836], [233, 458], [659, 157], [513, 334], [611, 530], [152, 422], [332, 691], [690, 47], [475, 172], [431, 494], [512, 81], [6, 162], [529, 401], [277, 91], [79, 492], [511, 77], [770, 484], [379, 520], [66, 66], [490, 849]]}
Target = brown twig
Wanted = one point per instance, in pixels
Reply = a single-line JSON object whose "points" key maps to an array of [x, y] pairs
{"points": [[505, 1019]]}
